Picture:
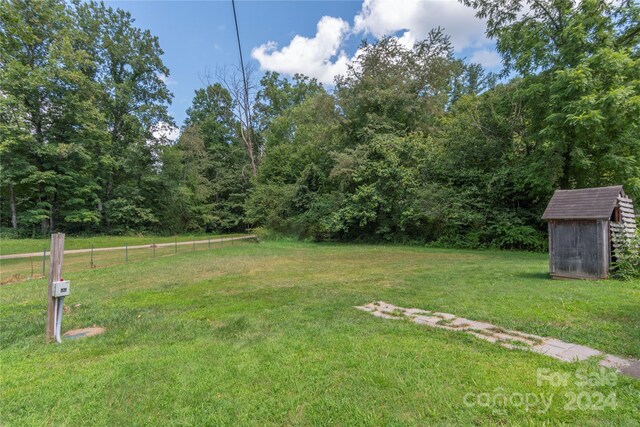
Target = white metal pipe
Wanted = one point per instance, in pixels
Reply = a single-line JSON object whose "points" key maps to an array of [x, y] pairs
{"points": [[58, 318], [55, 316]]}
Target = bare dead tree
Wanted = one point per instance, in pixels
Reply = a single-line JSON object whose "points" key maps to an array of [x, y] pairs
{"points": [[243, 97]]}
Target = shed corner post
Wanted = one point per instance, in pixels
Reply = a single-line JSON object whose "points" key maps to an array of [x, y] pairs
{"points": [[549, 231], [605, 235]]}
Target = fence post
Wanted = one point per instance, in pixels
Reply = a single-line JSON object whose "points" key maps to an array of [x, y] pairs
{"points": [[44, 259], [92, 255], [126, 252], [55, 273], [209, 242], [154, 248], [175, 245]]}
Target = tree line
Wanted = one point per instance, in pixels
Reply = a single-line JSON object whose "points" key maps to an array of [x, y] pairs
{"points": [[411, 143]]}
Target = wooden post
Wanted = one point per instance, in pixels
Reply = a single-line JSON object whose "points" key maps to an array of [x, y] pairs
{"points": [[56, 254], [44, 259]]}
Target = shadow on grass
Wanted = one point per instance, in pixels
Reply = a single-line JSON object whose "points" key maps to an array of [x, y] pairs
{"points": [[534, 275]]}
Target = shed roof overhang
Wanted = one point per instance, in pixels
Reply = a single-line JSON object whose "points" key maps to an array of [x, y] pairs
{"points": [[587, 203]]}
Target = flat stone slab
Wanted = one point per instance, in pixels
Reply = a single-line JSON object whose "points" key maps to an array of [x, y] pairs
{"points": [[479, 325], [561, 350], [632, 370], [489, 338], [580, 352], [615, 362], [552, 342], [549, 350], [432, 320], [84, 332]]}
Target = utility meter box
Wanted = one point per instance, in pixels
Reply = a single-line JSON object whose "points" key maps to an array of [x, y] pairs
{"points": [[61, 288]]}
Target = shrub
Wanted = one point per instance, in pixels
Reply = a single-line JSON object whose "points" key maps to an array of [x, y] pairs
{"points": [[627, 256]]}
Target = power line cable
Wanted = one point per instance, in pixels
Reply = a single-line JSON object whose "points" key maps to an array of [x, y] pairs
{"points": [[244, 76]]}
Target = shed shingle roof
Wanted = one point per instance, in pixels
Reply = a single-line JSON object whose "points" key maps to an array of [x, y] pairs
{"points": [[588, 203]]}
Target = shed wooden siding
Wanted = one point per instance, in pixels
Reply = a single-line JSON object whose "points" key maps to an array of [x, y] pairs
{"points": [[579, 249]]}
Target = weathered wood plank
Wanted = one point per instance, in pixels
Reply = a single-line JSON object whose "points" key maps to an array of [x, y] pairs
{"points": [[623, 225], [579, 248], [55, 273]]}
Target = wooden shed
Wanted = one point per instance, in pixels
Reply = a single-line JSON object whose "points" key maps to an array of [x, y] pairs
{"points": [[581, 223]]}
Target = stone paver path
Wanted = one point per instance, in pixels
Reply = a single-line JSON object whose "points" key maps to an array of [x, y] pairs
{"points": [[552, 347]]}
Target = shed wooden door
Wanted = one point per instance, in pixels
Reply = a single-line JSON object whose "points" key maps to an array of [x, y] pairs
{"points": [[578, 249]]}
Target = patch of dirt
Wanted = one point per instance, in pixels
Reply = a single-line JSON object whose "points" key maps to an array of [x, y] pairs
{"points": [[12, 279], [84, 332]]}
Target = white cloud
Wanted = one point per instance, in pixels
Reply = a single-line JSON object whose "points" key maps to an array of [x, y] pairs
{"points": [[164, 132], [319, 57], [417, 17], [407, 39], [167, 80], [322, 56], [487, 58]]}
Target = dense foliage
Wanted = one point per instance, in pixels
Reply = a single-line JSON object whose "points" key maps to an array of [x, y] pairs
{"points": [[81, 95], [412, 144], [626, 254]]}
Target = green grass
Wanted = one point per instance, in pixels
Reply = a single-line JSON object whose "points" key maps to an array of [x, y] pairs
{"points": [[20, 269], [17, 246], [266, 334]]}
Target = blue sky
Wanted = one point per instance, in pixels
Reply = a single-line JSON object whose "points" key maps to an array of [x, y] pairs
{"points": [[317, 38]]}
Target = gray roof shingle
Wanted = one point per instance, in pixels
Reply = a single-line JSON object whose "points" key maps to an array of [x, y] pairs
{"points": [[587, 203]]}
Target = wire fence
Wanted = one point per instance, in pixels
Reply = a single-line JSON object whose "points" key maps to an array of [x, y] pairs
{"points": [[30, 267]]}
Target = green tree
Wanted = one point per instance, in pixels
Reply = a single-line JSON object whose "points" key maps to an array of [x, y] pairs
{"points": [[395, 90], [581, 87], [53, 122], [81, 95], [128, 68], [382, 182], [478, 192], [15, 141], [188, 191], [213, 175], [278, 94], [292, 192]]}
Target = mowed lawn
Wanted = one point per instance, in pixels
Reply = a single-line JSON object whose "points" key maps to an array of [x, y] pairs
{"points": [[20, 269], [266, 334]]}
